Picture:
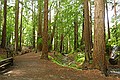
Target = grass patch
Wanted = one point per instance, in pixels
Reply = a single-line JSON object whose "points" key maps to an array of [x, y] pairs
{"points": [[71, 60]]}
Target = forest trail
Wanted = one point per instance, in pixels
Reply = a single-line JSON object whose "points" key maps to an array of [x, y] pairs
{"points": [[30, 67]]}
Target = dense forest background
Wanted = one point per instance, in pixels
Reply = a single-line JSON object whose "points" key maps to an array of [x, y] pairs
{"points": [[86, 29]]}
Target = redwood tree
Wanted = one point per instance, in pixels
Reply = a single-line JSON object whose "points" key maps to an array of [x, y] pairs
{"points": [[99, 36], [3, 44], [86, 34], [16, 24], [45, 32], [90, 24], [39, 37], [21, 27], [76, 33]]}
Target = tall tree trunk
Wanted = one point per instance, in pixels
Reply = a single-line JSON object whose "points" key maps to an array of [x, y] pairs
{"points": [[90, 28], [45, 32], [50, 39], [16, 24], [99, 36], [21, 28], [86, 34], [39, 43], [90, 25], [61, 43], [107, 20], [33, 19], [3, 44], [75, 34]]}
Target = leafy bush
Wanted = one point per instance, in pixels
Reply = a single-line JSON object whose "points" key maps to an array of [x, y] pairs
{"points": [[39, 40], [115, 38], [80, 58]]}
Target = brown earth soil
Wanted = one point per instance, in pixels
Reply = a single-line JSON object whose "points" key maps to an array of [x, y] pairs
{"points": [[30, 67]]}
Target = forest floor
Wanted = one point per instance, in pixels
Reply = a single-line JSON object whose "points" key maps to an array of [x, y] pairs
{"points": [[30, 67]]}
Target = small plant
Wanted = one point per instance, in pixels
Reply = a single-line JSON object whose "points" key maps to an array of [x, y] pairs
{"points": [[39, 40]]}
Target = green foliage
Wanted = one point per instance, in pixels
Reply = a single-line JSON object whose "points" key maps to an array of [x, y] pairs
{"points": [[117, 52], [58, 59], [115, 40], [39, 40], [80, 57], [10, 23], [1, 58], [66, 13], [70, 60]]}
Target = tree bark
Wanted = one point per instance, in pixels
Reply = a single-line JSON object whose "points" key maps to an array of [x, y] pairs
{"points": [[21, 28], [90, 26], [45, 32], [39, 37], [99, 36], [86, 34], [61, 43], [75, 34], [16, 24], [3, 44]]}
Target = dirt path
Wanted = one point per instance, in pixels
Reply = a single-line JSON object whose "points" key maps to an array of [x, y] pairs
{"points": [[31, 67]]}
